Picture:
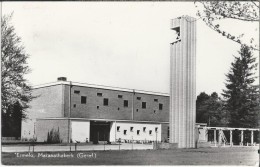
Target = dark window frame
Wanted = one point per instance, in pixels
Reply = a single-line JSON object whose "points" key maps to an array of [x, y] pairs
{"points": [[143, 105], [105, 102], [125, 103], [99, 94], [76, 92], [83, 100], [160, 106]]}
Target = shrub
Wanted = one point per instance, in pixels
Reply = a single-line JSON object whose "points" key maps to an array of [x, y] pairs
{"points": [[54, 136]]}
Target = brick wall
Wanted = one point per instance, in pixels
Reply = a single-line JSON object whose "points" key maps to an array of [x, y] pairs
{"points": [[151, 112], [95, 109]]}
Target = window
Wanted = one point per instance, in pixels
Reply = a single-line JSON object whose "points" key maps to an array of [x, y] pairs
{"points": [[156, 100], [99, 94], [125, 132], [136, 110], [125, 103], [74, 105], [97, 107], [177, 33], [105, 102], [160, 106], [144, 128], [120, 96], [138, 98], [118, 108], [83, 100], [131, 129], [76, 91], [143, 104], [118, 128], [154, 111], [156, 129], [138, 132], [150, 132]]}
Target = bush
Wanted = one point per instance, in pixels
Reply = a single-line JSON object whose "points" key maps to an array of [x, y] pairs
{"points": [[54, 136]]}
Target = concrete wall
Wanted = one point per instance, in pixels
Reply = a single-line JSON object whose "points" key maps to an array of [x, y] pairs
{"points": [[115, 134], [95, 109], [45, 126], [165, 136], [183, 83], [80, 131], [48, 103]]}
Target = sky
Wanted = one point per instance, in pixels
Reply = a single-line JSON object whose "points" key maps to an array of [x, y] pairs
{"points": [[121, 44]]}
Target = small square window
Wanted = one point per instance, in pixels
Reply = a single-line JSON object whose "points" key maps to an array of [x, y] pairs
{"points": [[83, 100], [131, 129], [150, 132], [99, 94], [105, 102], [156, 100], [76, 91], [125, 132], [97, 107], [156, 129], [125, 103], [144, 105], [138, 132], [74, 105], [118, 108], [144, 129], [160, 106], [120, 96], [136, 110], [138, 98], [118, 128], [154, 111]]}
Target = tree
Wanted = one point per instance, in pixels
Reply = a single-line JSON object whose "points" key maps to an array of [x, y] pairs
{"points": [[209, 109], [16, 93], [212, 12], [242, 98]]}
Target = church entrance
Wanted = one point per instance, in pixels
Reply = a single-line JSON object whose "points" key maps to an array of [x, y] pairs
{"points": [[99, 131]]}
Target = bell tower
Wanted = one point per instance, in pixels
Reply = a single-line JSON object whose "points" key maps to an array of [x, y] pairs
{"points": [[183, 82]]}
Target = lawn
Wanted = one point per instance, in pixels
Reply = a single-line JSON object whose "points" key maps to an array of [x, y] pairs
{"points": [[202, 156]]}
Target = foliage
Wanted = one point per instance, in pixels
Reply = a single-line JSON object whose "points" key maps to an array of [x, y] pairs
{"points": [[214, 11], [11, 122], [54, 136], [14, 66], [209, 109], [242, 98], [16, 93]]}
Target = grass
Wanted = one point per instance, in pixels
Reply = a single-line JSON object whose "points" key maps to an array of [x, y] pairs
{"points": [[202, 156]]}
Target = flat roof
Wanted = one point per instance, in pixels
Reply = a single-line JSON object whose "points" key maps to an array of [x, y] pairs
{"points": [[103, 120], [99, 87]]}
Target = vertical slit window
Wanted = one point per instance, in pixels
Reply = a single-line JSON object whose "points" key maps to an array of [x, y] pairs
{"points": [[105, 102], [144, 105], [125, 103]]}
